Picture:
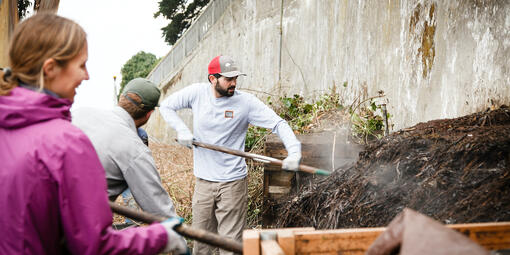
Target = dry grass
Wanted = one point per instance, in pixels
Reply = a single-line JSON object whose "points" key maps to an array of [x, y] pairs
{"points": [[255, 195], [175, 165]]}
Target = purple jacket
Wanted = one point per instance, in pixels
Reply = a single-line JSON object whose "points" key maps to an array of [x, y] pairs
{"points": [[52, 185]]}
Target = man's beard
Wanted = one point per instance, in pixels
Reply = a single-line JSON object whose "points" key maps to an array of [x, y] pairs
{"points": [[224, 92]]}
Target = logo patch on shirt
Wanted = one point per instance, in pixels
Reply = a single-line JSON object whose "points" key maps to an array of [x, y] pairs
{"points": [[229, 114]]}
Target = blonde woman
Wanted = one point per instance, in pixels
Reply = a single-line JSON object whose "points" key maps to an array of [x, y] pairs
{"points": [[52, 184]]}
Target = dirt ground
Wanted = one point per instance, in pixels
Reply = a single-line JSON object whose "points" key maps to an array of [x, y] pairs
{"points": [[454, 170]]}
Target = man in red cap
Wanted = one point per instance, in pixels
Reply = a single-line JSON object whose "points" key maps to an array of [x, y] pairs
{"points": [[221, 116]]}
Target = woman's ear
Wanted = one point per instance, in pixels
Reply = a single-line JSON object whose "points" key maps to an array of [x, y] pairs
{"points": [[50, 68]]}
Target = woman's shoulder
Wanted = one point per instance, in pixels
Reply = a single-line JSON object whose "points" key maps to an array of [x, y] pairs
{"points": [[61, 134], [57, 143]]}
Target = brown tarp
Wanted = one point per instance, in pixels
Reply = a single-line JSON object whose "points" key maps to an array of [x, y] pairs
{"points": [[414, 233]]}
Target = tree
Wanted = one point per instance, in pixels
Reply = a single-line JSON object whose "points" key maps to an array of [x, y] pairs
{"points": [[39, 5], [23, 8], [181, 14], [139, 65]]}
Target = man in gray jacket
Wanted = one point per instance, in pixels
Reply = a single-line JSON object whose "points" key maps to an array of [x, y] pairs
{"points": [[128, 162]]}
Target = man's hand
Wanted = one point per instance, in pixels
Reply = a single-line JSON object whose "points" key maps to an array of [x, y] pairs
{"points": [[176, 243], [291, 163], [185, 138]]}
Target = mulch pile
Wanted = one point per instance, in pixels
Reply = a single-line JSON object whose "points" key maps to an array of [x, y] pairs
{"points": [[453, 170]]}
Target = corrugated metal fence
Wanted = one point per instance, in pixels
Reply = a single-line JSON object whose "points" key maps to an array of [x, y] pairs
{"points": [[189, 41]]}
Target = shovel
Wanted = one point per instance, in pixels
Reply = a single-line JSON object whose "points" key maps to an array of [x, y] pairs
{"points": [[183, 229], [260, 158]]}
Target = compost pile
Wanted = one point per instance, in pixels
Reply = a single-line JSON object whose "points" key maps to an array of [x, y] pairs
{"points": [[454, 170]]}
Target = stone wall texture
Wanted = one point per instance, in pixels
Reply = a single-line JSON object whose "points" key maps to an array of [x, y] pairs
{"points": [[433, 59]]}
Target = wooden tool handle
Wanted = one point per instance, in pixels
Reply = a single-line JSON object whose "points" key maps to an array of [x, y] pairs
{"points": [[265, 159], [195, 234]]}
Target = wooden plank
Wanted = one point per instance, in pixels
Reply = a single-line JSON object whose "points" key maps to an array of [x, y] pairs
{"points": [[251, 242], [279, 184], [270, 247], [267, 177], [285, 237], [287, 241], [346, 241], [8, 20], [492, 236], [281, 178], [298, 229], [279, 190], [47, 5]]}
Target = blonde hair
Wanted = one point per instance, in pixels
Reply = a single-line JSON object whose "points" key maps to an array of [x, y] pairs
{"points": [[38, 38]]}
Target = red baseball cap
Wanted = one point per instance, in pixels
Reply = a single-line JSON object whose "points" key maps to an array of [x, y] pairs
{"points": [[225, 66]]}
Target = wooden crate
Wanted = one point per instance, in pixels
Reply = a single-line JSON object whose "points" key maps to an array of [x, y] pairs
{"points": [[492, 236]]}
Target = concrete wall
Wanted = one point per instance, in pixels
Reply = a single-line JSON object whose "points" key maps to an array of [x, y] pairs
{"points": [[433, 59]]}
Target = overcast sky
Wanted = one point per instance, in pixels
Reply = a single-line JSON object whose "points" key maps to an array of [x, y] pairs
{"points": [[116, 30]]}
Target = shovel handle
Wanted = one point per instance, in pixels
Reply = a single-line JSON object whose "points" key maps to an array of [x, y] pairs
{"points": [[264, 159], [183, 229]]}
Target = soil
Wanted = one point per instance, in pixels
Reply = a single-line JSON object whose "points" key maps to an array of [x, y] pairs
{"points": [[454, 170]]}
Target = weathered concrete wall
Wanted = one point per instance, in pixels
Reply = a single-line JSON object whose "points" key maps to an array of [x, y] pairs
{"points": [[433, 59]]}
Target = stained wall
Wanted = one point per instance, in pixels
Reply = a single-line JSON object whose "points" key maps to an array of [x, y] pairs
{"points": [[432, 59]]}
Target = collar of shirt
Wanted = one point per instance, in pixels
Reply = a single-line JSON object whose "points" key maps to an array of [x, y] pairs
{"points": [[36, 89], [124, 115]]}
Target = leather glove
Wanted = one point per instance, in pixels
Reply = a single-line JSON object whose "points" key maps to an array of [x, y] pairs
{"points": [[176, 243], [291, 162], [185, 138]]}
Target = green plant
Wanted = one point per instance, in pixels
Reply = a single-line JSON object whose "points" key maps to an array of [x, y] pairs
{"points": [[300, 114], [367, 119], [254, 136]]}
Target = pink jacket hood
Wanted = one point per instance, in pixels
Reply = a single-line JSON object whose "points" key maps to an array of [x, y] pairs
{"points": [[24, 107]]}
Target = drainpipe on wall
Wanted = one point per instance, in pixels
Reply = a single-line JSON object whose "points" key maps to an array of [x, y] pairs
{"points": [[281, 39], [385, 117]]}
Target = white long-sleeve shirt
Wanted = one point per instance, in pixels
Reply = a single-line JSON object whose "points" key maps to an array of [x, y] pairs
{"points": [[126, 160], [223, 121]]}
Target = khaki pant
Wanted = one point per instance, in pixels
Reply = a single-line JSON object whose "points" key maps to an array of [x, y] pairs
{"points": [[219, 207]]}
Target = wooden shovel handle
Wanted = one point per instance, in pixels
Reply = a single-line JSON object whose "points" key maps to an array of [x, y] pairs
{"points": [[183, 229]]}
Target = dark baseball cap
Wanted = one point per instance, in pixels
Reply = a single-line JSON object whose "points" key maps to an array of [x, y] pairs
{"points": [[146, 90], [225, 66]]}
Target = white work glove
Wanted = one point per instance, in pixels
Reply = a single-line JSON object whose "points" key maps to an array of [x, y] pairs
{"points": [[185, 138], [176, 243], [291, 162]]}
